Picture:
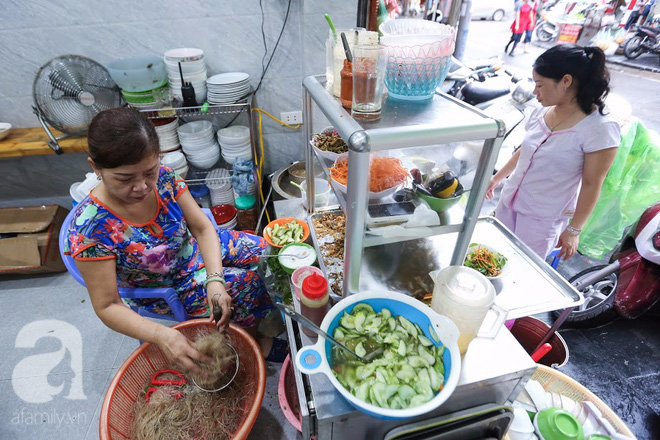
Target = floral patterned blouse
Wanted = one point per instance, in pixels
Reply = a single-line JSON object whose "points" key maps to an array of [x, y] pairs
{"points": [[159, 253]]}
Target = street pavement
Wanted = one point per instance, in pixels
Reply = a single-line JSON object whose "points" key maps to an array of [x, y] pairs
{"points": [[640, 88]]}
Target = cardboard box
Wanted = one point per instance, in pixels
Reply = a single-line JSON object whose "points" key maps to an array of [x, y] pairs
{"points": [[32, 246]]}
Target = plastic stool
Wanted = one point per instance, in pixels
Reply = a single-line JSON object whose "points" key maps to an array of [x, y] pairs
{"points": [[555, 258]]}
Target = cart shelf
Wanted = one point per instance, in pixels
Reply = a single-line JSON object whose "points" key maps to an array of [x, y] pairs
{"points": [[439, 121]]}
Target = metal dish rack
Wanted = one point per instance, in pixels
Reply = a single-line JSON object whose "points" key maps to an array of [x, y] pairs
{"points": [[189, 114], [197, 176]]}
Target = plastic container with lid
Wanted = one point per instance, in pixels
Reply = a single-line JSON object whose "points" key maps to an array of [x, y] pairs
{"points": [[299, 276], [246, 212], [465, 296], [314, 300], [202, 195], [557, 424]]}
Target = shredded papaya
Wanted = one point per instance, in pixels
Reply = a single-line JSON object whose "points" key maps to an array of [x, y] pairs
{"points": [[384, 173]]}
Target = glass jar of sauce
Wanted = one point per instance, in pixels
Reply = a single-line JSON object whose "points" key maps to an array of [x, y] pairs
{"points": [[346, 97]]}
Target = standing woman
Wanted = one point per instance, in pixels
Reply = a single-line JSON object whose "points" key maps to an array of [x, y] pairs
{"points": [[570, 144], [140, 227], [529, 30], [519, 25]]}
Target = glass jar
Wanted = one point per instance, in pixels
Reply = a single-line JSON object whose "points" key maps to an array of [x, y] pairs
{"points": [[346, 97], [314, 300], [246, 213], [202, 195]]}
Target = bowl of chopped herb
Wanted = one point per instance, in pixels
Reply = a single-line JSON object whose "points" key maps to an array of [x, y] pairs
{"points": [[329, 144], [487, 260]]}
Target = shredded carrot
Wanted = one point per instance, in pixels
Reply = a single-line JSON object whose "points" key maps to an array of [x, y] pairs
{"points": [[384, 173]]}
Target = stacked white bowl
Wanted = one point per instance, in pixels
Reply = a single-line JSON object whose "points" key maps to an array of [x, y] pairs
{"points": [[199, 143], [219, 182], [167, 134], [194, 71], [227, 88], [235, 143], [177, 161]]}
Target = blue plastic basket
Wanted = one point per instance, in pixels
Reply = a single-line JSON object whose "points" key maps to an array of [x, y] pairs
{"points": [[415, 78]]}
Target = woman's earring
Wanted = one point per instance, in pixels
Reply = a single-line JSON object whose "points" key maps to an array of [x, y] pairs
{"points": [[98, 177]]}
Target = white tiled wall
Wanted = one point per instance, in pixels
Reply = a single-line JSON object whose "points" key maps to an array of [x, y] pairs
{"points": [[229, 31]]}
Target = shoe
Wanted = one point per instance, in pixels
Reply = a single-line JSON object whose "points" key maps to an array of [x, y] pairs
{"points": [[279, 351]]}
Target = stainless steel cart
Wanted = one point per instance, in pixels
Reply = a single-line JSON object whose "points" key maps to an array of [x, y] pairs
{"points": [[493, 370]]}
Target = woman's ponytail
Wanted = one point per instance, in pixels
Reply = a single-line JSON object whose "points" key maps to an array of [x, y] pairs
{"points": [[594, 87], [586, 66]]}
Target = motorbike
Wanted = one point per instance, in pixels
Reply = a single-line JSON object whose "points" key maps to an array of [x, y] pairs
{"points": [[646, 39], [479, 83], [627, 287]]}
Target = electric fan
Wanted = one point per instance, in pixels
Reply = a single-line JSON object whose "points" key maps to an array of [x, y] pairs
{"points": [[68, 92]]}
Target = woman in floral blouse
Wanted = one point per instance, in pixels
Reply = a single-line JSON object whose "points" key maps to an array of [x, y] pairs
{"points": [[140, 227]]}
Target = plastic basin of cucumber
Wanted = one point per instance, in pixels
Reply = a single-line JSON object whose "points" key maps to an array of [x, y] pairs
{"points": [[282, 221], [315, 359]]}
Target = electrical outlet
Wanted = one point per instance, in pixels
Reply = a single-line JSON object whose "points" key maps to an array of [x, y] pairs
{"points": [[291, 118]]}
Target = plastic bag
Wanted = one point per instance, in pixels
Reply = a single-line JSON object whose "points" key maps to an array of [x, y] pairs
{"points": [[620, 36], [242, 179], [631, 186], [603, 39]]}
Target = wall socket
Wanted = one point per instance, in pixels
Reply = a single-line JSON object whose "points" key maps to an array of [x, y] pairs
{"points": [[291, 118]]}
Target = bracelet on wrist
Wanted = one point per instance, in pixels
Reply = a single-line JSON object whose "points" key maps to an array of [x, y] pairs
{"points": [[214, 278], [573, 231]]}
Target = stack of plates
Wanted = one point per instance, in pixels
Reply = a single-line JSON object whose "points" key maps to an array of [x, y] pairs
{"points": [[235, 143], [227, 88], [225, 216], [167, 133], [199, 144], [177, 161], [219, 183], [146, 99], [194, 71]]}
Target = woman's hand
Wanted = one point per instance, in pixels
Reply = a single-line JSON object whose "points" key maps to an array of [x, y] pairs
{"points": [[494, 183], [568, 243], [181, 351], [218, 296]]}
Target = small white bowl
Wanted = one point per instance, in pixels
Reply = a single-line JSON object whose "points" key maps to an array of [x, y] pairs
{"points": [[4, 129]]}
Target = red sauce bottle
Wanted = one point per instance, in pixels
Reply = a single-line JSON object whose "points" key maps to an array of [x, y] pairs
{"points": [[314, 300], [346, 95]]}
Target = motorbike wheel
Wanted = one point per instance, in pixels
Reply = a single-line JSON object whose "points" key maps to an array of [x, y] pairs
{"points": [[544, 32], [598, 306], [633, 47]]}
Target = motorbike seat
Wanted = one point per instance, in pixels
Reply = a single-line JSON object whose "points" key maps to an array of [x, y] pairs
{"points": [[655, 31], [477, 92]]}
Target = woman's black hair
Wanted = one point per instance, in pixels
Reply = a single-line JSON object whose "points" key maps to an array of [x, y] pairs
{"points": [[121, 136], [585, 64]]}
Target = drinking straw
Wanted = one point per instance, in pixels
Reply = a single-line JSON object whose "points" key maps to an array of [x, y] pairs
{"points": [[332, 26]]}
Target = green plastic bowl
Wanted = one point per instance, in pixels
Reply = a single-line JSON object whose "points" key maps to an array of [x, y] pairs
{"points": [[298, 262], [437, 204], [557, 424]]}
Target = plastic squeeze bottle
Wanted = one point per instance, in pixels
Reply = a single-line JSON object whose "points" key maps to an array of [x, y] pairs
{"points": [[314, 300]]}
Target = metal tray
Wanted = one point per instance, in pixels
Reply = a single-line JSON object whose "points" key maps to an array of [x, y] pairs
{"points": [[336, 296]]}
